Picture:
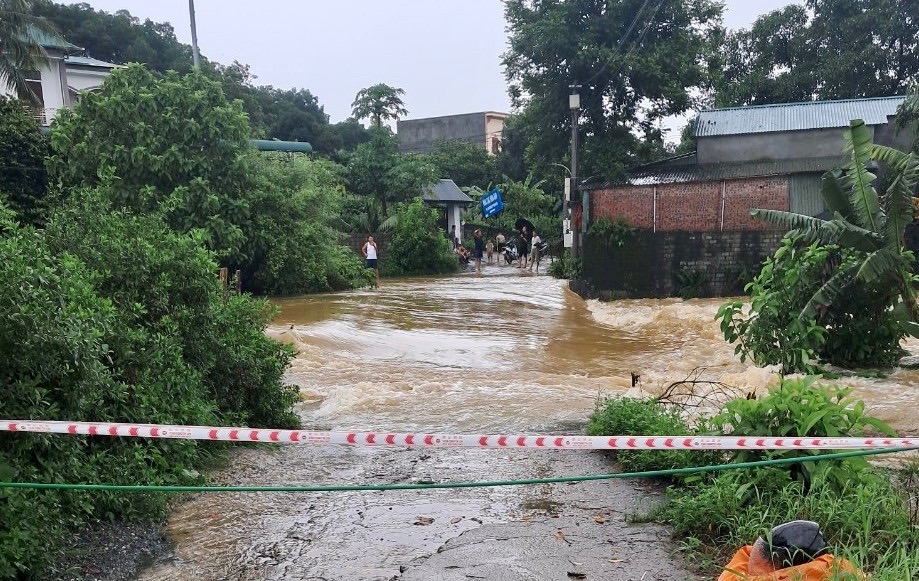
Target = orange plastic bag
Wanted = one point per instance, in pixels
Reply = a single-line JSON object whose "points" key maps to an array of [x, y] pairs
{"points": [[820, 569]]}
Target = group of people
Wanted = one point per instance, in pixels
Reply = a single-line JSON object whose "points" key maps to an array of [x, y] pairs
{"points": [[528, 245]]}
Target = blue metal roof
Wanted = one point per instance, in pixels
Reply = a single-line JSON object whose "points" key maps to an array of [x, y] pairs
{"points": [[795, 116]]}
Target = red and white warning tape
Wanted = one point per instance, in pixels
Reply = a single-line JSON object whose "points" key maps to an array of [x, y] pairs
{"points": [[539, 442]]}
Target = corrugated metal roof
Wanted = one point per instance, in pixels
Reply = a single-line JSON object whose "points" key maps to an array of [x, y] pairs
{"points": [[681, 173], [445, 191], [85, 61], [49, 40], [795, 116]]}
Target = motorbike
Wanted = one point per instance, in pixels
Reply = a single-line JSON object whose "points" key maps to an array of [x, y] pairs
{"points": [[512, 252]]}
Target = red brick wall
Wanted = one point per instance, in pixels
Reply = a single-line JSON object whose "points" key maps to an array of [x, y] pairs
{"points": [[695, 206]]}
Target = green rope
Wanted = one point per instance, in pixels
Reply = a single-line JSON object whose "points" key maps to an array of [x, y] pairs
{"points": [[379, 487]]}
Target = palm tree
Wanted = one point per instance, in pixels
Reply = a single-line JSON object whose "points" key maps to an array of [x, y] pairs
{"points": [[19, 50], [378, 103], [864, 222]]}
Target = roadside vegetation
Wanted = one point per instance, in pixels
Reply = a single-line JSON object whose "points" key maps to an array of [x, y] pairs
{"points": [[869, 513], [838, 291]]}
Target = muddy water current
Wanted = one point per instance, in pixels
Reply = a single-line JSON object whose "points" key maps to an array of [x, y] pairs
{"points": [[506, 352]]}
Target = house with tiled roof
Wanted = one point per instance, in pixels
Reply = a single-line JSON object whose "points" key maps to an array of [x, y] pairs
{"points": [[60, 82]]}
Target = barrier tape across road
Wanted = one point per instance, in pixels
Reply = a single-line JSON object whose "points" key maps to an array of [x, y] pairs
{"points": [[536, 442]]}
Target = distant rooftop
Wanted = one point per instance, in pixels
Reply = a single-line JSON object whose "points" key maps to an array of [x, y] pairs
{"points": [[796, 116], [50, 41], [85, 61], [499, 113], [445, 191]]}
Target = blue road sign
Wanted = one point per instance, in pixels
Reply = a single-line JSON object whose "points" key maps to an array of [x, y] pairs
{"points": [[492, 203]]}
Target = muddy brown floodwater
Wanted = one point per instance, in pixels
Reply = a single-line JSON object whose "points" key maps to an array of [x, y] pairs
{"points": [[500, 353]]}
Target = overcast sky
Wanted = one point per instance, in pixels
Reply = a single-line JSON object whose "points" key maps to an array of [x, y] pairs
{"points": [[445, 54]]}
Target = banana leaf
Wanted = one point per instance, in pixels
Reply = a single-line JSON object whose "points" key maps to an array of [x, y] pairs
{"points": [[858, 180], [837, 231]]}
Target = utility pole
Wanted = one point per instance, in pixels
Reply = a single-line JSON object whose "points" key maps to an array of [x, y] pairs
{"points": [[194, 36], [574, 103]]}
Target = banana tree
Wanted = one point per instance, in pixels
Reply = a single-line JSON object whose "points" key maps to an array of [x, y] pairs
{"points": [[872, 225]]}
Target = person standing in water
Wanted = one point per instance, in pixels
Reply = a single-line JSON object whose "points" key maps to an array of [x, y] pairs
{"points": [[479, 250], [370, 254]]}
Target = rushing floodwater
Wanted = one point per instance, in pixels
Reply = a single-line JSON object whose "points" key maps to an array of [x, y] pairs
{"points": [[501, 353]]}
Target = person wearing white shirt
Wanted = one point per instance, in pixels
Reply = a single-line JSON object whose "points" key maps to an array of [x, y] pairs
{"points": [[370, 254], [534, 251]]}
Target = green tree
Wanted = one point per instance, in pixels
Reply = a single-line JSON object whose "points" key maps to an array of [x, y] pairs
{"points": [[635, 67], [822, 50], [418, 246], [378, 169], [23, 178], [379, 103], [174, 144], [350, 133], [769, 63], [120, 37], [854, 280], [467, 164], [20, 50], [292, 246]]}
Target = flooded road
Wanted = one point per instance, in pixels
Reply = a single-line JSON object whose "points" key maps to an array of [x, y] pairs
{"points": [[502, 353]]}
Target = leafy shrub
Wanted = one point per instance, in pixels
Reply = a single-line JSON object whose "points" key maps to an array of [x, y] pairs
{"points": [[57, 335], [23, 179], [857, 330], [800, 408], [645, 417], [691, 282], [164, 287], [611, 233], [175, 144], [565, 267], [418, 246], [291, 246]]}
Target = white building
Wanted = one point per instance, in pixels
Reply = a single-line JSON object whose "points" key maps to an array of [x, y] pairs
{"points": [[62, 79]]}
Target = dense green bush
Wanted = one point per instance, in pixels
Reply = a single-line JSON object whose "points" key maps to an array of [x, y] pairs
{"points": [[864, 514], [858, 330], [291, 245], [164, 286], [646, 417], [800, 408], [23, 178], [174, 144], [417, 245], [565, 267], [59, 336]]}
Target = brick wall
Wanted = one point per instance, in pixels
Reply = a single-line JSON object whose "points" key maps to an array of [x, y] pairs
{"points": [[651, 264], [693, 206]]}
